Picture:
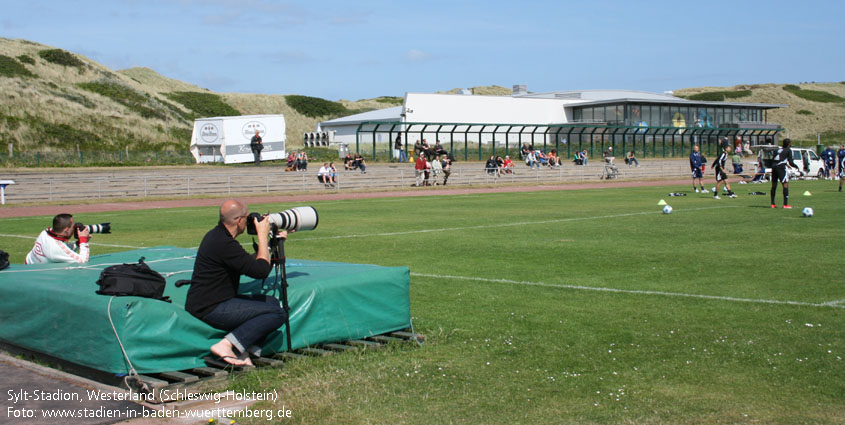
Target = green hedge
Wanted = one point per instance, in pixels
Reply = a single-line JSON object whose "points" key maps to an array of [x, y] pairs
{"points": [[719, 96], [26, 59], [804, 112], [61, 57], [9, 67], [813, 95], [203, 104], [314, 106]]}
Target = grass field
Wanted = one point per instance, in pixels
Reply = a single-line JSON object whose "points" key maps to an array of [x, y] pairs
{"points": [[567, 307]]}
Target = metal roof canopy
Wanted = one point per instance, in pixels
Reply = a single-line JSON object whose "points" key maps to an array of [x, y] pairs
{"points": [[374, 127]]}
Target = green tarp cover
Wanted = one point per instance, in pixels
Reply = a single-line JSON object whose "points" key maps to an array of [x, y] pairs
{"points": [[53, 309]]}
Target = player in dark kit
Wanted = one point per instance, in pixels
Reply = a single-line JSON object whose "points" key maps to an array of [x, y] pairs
{"points": [[780, 173], [696, 161], [841, 171], [721, 176]]}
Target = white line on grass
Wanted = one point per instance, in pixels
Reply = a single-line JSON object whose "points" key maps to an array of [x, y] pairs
{"points": [[490, 226], [835, 302], [629, 291], [91, 243]]}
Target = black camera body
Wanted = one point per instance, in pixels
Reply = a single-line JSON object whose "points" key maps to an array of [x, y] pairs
{"points": [[294, 219], [92, 228]]}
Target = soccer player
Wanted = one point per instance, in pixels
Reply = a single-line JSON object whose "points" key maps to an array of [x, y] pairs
{"points": [[780, 173], [721, 176], [695, 163], [841, 171]]}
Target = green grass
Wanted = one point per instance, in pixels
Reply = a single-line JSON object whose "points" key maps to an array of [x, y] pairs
{"points": [[511, 343], [804, 112], [61, 57], [720, 96], [136, 101], [314, 106], [203, 104], [814, 95], [9, 67]]}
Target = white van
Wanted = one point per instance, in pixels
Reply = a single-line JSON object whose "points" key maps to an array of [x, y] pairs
{"points": [[809, 163]]}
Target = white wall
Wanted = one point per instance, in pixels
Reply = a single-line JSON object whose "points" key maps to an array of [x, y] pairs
{"points": [[424, 107]]}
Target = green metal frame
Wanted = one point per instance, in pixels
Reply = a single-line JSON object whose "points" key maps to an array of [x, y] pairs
{"points": [[686, 133]]}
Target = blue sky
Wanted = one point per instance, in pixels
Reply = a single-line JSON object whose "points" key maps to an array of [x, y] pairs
{"points": [[362, 49]]}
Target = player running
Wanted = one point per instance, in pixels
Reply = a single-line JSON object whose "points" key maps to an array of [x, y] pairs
{"points": [[782, 158], [696, 161], [721, 176], [841, 171]]}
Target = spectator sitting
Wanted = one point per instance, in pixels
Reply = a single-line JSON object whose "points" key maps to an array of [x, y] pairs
{"points": [[523, 152], [507, 166], [631, 160], [360, 163], [541, 158], [584, 157], [576, 158], [554, 161], [324, 175], [291, 164], [608, 155], [531, 159], [426, 148], [348, 162], [491, 166], [333, 173], [439, 150], [436, 168], [302, 161], [417, 148], [760, 176]]}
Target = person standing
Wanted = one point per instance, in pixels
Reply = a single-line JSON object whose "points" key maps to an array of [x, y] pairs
{"points": [[399, 152], [839, 156], [829, 158], [695, 163], [841, 171], [782, 158], [721, 175], [436, 168], [419, 169], [446, 165], [257, 145]]}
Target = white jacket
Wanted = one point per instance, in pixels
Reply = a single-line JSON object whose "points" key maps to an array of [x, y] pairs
{"points": [[53, 249]]}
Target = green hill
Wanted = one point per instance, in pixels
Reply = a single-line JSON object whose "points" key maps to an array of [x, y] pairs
{"points": [[57, 101]]}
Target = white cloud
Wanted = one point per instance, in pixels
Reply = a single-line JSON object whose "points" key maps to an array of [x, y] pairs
{"points": [[415, 55]]}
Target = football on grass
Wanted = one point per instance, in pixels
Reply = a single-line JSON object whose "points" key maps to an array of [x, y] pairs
{"points": [[667, 209], [807, 212]]}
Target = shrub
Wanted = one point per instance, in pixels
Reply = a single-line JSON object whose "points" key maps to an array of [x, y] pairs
{"points": [[719, 96], [203, 104], [26, 59], [804, 112], [76, 98], [61, 57], [124, 95], [314, 106], [813, 95], [9, 67], [393, 100]]}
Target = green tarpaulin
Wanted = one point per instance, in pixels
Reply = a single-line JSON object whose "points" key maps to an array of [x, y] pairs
{"points": [[52, 308]]}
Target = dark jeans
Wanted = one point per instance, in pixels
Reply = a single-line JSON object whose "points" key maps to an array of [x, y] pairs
{"points": [[257, 156], [249, 319]]}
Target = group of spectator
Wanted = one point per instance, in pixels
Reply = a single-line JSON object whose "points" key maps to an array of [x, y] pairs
{"points": [[425, 169], [498, 166], [356, 162], [580, 158], [297, 161], [327, 174], [430, 152], [536, 157]]}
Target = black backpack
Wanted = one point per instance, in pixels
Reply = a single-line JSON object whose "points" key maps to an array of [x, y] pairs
{"points": [[137, 280], [4, 259]]}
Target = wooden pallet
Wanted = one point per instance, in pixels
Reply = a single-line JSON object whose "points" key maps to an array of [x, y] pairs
{"points": [[204, 379]]}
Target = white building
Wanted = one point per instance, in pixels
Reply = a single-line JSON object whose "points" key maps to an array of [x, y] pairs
{"points": [[594, 118]]}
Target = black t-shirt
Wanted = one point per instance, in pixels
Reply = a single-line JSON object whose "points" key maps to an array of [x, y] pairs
{"points": [[255, 143], [220, 262]]}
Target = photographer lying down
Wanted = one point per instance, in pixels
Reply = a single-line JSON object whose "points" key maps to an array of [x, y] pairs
{"points": [[53, 245], [213, 297]]}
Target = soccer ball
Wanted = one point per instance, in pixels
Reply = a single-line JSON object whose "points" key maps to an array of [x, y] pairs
{"points": [[807, 212], [668, 210]]}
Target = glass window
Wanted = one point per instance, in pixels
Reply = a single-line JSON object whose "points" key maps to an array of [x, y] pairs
{"points": [[576, 114], [598, 114], [588, 114]]}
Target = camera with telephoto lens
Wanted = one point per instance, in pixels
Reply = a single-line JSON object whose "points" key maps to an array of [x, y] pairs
{"points": [[294, 219], [92, 228]]}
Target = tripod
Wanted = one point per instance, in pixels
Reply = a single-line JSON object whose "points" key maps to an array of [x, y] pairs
{"points": [[277, 260]]}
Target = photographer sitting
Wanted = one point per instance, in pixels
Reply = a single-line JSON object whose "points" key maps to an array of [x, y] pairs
{"points": [[53, 245], [213, 297]]}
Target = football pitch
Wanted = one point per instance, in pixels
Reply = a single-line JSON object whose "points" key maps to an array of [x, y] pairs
{"points": [[587, 306]]}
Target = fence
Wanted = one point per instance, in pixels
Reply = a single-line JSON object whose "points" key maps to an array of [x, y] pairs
{"points": [[209, 182]]}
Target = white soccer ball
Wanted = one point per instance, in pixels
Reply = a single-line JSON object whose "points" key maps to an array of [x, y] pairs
{"points": [[667, 209], [807, 212], [714, 189]]}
